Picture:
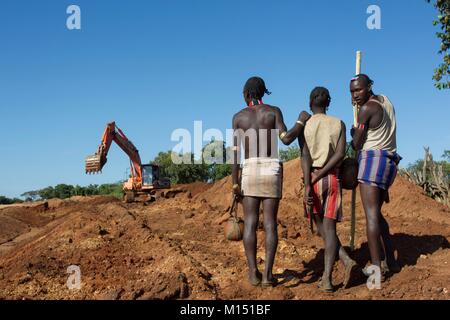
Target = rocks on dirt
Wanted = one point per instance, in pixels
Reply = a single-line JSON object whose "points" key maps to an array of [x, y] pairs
{"points": [[189, 215], [26, 278], [102, 231], [165, 287], [113, 295]]}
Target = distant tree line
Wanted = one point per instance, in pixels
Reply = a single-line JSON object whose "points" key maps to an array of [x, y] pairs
{"points": [[207, 170], [178, 174], [64, 191], [6, 200]]}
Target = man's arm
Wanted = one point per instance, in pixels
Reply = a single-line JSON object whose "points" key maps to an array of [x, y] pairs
{"points": [[359, 134], [338, 155], [306, 163], [288, 136], [235, 157]]}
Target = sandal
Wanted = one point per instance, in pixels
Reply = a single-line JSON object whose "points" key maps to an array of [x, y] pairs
{"points": [[325, 288], [268, 284], [349, 270], [256, 282]]}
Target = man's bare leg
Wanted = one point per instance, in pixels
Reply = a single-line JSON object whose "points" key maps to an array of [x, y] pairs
{"points": [[251, 216], [386, 237], [370, 197], [270, 227], [348, 262], [331, 249]]}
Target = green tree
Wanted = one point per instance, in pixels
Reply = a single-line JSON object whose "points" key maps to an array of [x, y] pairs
{"points": [[181, 173], [30, 195], [418, 167], [111, 189], [6, 200], [446, 155], [91, 190], [217, 159], [292, 152], [64, 191], [443, 20], [47, 193], [79, 191]]}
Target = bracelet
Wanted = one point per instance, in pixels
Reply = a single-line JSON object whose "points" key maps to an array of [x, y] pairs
{"points": [[235, 186], [300, 122], [282, 135]]}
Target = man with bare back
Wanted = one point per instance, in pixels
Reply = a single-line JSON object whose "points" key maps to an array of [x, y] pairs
{"points": [[258, 127]]}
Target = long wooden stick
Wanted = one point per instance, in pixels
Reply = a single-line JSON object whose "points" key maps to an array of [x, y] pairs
{"points": [[355, 123]]}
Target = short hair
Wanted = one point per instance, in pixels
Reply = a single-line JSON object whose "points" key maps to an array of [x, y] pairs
{"points": [[320, 97], [363, 76], [256, 88]]}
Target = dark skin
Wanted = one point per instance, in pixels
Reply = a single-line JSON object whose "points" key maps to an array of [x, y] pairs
{"points": [[378, 235], [260, 117], [326, 226]]}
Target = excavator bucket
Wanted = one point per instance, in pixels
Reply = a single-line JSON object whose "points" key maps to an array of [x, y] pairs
{"points": [[93, 163]]}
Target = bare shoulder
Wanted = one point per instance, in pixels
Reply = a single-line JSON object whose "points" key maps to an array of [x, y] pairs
{"points": [[238, 116], [370, 107], [374, 103], [275, 109]]}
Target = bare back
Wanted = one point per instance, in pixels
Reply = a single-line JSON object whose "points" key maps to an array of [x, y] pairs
{"points": [[266, 121]]}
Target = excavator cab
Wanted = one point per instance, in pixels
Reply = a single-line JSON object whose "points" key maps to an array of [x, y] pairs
{"points": [[148, 175], [151, 178]]}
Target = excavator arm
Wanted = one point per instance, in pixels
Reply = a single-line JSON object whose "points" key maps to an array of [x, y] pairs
{"points": [[95, 162]]}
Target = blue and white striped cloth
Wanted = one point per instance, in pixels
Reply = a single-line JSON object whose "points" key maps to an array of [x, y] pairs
{"points": [[378, 167]]}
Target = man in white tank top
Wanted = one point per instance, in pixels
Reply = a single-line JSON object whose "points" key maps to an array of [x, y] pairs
{"points": [[375, 139]]}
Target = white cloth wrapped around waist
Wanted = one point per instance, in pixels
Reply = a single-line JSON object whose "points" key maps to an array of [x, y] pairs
{"points": [[261, 167], [262, 177]]}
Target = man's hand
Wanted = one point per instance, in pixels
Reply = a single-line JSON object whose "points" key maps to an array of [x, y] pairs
{"points": [[237, 191], [352, 131], [304, 116], [308, 198], [315, 177], [352, 145]]}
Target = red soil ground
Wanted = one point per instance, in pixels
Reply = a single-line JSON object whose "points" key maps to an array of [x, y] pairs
{"points": [[175, 248]]}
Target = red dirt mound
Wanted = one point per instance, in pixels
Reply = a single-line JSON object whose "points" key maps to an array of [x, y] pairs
{"points": [[175, 248]]}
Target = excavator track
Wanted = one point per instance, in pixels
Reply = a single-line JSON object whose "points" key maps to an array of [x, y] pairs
{"points": [[133, 196]]}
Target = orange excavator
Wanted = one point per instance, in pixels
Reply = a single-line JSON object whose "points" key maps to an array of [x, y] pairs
{"points": [[145, 178]]}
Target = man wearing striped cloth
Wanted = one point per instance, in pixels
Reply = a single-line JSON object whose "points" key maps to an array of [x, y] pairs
{"points": [[375, 139], [322, 152]]}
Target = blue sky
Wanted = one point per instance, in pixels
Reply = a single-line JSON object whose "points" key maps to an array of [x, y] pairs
{"points": [[155, 66]]}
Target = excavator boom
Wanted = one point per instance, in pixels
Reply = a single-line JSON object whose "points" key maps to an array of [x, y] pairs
{"points": [[144, 178], [94, 163]]}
